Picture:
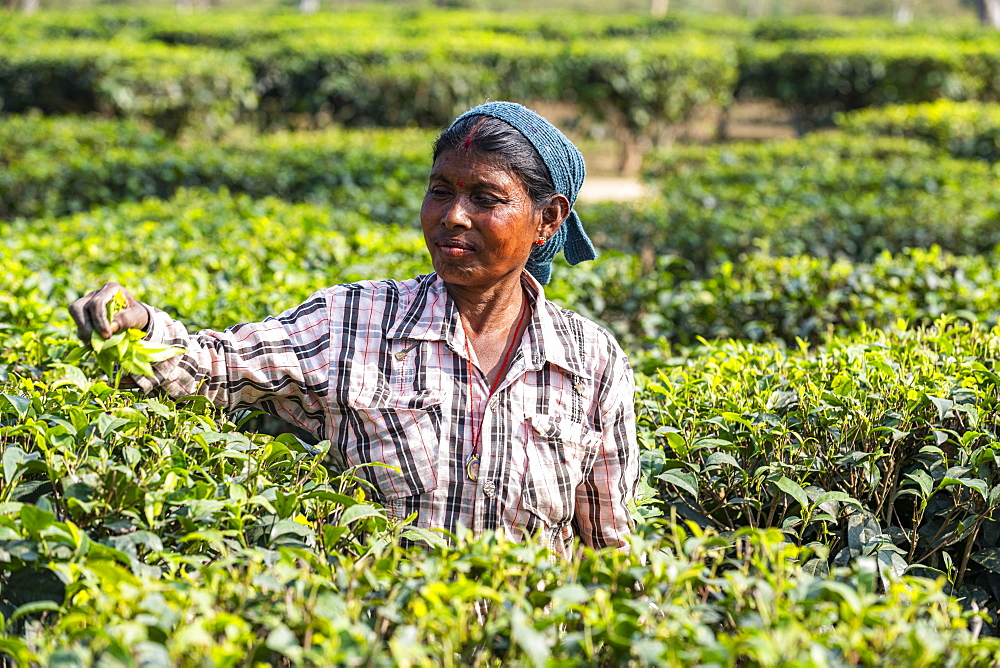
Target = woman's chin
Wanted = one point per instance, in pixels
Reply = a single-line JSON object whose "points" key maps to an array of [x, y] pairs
{"points": [[451, 272]]}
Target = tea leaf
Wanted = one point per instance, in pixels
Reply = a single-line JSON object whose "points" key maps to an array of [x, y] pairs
{"points": [[794, 490], [20, 405], [988, 558], [923, 480]]}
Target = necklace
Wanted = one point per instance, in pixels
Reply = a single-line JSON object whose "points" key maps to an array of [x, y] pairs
{"points": [[472, 461]]}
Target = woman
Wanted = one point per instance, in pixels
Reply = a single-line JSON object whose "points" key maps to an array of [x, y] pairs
{"points": [[495, 408]]}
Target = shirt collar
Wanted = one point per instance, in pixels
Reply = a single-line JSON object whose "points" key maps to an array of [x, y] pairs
{"points": [[433, 316], [551, 335], [430, 316]]}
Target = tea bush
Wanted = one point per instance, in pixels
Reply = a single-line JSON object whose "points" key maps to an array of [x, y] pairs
{"points": [[762, 298], [964, 129], [824, 76], [812, 27], [628, 84], [103, 23], [140, 528], [258, 256], [827, 195], [366, 68], [165, 250], [894, 430], [144, 529], [57, 166], [819, 487], [169, 86]]}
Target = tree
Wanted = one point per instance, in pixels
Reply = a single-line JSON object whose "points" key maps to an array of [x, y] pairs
{"points": [[902, 12], [659, 8], [989, 12], [755, 8]]}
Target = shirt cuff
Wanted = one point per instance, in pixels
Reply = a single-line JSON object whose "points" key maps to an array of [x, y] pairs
{"points": [[153, 331]]}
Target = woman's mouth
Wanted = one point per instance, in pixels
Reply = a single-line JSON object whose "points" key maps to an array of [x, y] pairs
{"points": [[454, 247]]}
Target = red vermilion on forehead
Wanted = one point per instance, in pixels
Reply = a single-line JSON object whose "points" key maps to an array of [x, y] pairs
{"points": [[468, 142]]}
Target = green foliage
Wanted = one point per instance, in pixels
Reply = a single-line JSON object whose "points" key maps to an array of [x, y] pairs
{"points": [[964, 129], [169, 252], [49, 168], [813, 27], [368, 68], [795, 495], [882, 444], [631, 85], [171, 87], [639, 87], [140, 528], [166, 251], [827, 195], [104, 23], [763, 298], [231, 30], [31, 138], [823, 76]]}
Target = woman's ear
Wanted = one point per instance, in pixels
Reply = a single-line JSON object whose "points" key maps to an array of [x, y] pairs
{"points": [[553, 215]]}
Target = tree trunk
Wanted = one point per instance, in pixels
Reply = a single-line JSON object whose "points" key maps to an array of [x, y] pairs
{"points": [[308, 6], [902, 12], [989, 12], [659, 8], [755, 8], [29, 6]]}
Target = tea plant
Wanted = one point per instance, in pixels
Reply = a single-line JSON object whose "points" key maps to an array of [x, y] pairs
{"points": [[125, 352], [964, 129]]}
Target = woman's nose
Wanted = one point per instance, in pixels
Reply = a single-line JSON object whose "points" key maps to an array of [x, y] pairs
{"points": [[457, 214]]}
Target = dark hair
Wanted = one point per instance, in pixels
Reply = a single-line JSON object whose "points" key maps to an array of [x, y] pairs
{"points": [[503, 143]]}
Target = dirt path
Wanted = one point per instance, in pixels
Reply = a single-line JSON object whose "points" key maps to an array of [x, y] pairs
{"points": [[611, 189], [751, 120]]}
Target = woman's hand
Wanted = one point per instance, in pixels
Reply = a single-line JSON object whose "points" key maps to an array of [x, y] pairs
{"points": [[91, 313]]}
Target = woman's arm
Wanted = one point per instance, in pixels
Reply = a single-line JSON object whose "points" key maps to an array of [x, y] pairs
{"points": [[602, 514], [279, 365]]}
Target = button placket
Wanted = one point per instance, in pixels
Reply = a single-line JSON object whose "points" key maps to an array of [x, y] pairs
{"points": [[479, 512]]}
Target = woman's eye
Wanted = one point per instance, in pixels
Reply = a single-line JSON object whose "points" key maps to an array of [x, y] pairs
{"points": [[438, 193], [486, 200]]}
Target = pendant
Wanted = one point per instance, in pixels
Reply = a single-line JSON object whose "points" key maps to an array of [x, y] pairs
{"points": [[472, 467]]}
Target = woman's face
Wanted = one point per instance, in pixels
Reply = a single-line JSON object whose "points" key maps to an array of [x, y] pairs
{"points": [[479, 222]]}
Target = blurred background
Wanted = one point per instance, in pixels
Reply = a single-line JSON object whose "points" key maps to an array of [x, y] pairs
{"points": [[901, 9]]}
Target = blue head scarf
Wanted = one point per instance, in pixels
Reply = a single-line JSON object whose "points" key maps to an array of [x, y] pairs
{"points": [[567, 170]]}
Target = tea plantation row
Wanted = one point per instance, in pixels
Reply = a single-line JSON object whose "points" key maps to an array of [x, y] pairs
{"points": [[821, 489], [632, 74], [277, 253], [138, 529], [829, 195]]}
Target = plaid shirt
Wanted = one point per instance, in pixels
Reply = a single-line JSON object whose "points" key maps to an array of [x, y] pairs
{"points": [[380, 369]]}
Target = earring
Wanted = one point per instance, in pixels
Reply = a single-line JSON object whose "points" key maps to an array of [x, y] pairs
{"points": [[540, 241]]}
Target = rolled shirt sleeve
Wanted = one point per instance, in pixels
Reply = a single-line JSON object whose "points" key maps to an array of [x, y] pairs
{"points": [[280, 365]]}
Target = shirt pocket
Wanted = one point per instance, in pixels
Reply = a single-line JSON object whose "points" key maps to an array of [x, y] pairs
{"points": [[560, 456], [403, 433]]}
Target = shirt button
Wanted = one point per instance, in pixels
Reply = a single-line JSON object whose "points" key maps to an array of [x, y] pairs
{"points": [[493, 403], [489, 488]]}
